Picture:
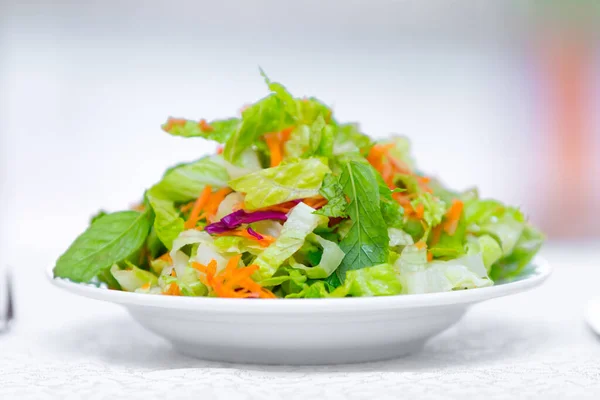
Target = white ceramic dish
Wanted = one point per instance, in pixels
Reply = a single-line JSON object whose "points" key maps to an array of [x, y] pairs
{"points": [[304, 331]]}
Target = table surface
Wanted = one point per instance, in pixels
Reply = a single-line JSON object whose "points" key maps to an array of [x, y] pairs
{"points": [[531, 345]]}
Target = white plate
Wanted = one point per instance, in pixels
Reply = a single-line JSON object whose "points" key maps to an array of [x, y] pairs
{"points": [[304, 331], [592, 314]]}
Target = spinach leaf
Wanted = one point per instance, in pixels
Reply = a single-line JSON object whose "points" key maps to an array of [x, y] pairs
{"points": [[109, 240], [366, 243]]}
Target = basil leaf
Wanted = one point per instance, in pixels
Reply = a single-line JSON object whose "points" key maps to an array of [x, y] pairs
{"points": [[366, 243], [109, 240]]}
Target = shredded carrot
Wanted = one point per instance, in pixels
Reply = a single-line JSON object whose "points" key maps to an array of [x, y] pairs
{"points": [[214, 201], [232, 281], [429, 256], [285, 134], [453, 217], [139, 207], [266, 241], [282, 207], [204, 126], [173, 290], [276, 144], [174, 273], [166, 257], [421, 245], [171, 122], [275, 148], [420, 211], [220, 149], [436, 233], [198, 205], [145, 286], [315, 202], [187, 207]]}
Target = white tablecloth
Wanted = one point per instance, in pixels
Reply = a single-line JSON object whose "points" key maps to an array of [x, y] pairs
{"points": [[531, 345]]}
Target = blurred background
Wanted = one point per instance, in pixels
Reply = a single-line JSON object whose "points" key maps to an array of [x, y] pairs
{"points": [[501, 94]]}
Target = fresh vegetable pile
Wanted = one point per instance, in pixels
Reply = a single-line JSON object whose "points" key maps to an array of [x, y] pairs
{"points": [[296, 204]]}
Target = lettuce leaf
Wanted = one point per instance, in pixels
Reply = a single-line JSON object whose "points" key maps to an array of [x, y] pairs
{"points": [[168, 223], [523, 252], [266, 115], [182, 183], [378, 280], [109, 240], [366, 243], [331, 258], [419, 276], [334, 193], [301, 222], [188, 282], [291, 181], [218, 130], [487, 246], [451, 246], [434, 208], [349, 139], [490, 217], [399, 238], [186, 181], [133, 278], [315, 290], [237, 245]]}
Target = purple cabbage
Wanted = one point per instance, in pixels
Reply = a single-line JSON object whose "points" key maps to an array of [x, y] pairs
{"points": [[255, 234], [240, 217]]}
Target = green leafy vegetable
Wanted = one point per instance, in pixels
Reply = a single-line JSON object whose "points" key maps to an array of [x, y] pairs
{"points": [[267, 115], [218, 130], [366, 243], [378, 280], [330, 259], [300, 223], [109, 240], [295, 180], [336, 201], [185, 182], [133, 278]]}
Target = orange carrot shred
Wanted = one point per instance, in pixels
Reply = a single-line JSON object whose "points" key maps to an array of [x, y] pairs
{"points": [[146, 286], [215, 200], [232, 281], [453, 217], [421, 245], [204, 126], [171, 122], [275, 148], [198, 205], [429, 256], [166, 257], [220, 149]]}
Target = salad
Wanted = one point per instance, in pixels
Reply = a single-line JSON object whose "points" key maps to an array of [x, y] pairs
{"points": [[295, 204]]}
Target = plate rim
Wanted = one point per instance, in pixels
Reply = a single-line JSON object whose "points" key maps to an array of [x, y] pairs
{"points": [[542, 270]]}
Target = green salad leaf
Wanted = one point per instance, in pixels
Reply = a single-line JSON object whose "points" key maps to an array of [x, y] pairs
{"points": [[301, 222], [185, 182], [218, 130], [334, 193], [366, 243], [110, 239], [294, 180]]}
